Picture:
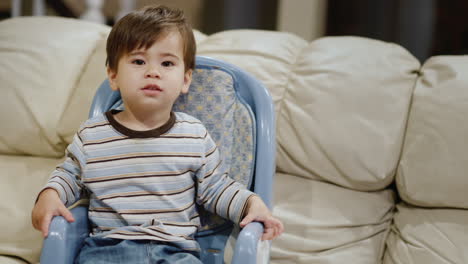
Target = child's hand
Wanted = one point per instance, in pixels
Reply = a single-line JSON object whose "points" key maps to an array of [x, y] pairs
{"points": [[258, 211], [48, 205]]}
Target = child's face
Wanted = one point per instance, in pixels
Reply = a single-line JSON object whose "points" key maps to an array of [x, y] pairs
{"points": [[152, 79]]}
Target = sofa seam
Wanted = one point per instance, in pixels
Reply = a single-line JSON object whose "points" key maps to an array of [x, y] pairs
{"points": [[287, 81]]}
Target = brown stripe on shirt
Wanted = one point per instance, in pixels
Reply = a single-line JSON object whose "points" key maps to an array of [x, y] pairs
{"points": [[104, 141], [229, 205], [221, 194], [181, 136], [136, 176], [211, 151], [94, 125], [65, 180], [208, 174], [137, 194], [138, 155], [155, 211]]}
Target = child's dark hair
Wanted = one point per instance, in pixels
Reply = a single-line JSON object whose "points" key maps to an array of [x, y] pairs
{"points": [[141, 28]]}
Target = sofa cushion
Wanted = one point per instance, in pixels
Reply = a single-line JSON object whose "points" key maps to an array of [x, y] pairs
{"points": [[41, 63], [434, 162], [11, 260], [22, 178], [325, 223], [428, 236], [79, 102], [345, 110]]}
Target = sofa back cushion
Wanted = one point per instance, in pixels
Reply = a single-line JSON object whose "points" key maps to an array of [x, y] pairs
{"points": [[434, 162], [40, 67], [344, 112]]}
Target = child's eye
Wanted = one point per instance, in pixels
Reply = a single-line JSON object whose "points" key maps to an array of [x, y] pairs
{"points": [[167, 63], [138, 62]]}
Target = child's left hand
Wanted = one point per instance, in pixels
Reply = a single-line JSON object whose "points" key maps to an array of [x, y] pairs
{"points": [[259, 212]]}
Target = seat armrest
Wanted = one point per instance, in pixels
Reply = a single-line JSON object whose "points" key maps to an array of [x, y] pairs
{"points": [[65, 239], [247, 245]]}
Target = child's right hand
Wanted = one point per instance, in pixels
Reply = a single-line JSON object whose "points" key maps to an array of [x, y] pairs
{"points": [[48, 205]]}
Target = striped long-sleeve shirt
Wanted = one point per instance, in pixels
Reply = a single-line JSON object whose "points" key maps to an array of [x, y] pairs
{"points": [[146, 184]]}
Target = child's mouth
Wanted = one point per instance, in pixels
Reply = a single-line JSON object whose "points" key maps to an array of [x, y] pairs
{"points": [[151, 89]]}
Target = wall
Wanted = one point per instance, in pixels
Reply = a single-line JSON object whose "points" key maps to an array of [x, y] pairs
{"points": [[305, 18]]}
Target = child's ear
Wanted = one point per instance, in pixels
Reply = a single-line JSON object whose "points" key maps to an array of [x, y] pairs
{"points": [[112, 76], [187, 81]]}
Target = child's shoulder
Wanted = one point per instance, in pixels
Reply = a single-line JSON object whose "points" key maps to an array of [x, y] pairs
{"points": [[94, 121], [189, 122], [184, 117]]}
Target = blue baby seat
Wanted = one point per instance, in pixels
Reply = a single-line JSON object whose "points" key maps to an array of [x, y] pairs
{"points": [[238, 112]]}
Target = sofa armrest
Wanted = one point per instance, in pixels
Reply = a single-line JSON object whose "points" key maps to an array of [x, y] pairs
{"points": [[65, 239]]}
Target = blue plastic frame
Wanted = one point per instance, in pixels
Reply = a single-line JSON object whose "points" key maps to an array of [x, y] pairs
{"points": [[65, 239]]}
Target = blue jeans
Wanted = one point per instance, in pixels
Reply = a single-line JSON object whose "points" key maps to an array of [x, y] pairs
{"points": [[100, 250]]}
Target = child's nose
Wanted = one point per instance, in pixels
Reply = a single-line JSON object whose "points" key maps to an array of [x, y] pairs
{"points": [[152, 72]]}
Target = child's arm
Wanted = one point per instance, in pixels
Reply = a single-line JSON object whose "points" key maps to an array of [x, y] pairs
{"points": [[220, 194], [48, 205], [62, 189], [257, 211]]}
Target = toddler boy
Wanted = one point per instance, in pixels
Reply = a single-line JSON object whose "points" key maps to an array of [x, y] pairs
{"points": [[146, 168]]}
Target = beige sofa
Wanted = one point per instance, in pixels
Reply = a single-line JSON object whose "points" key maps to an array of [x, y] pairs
{"points": [[372, 155]]}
